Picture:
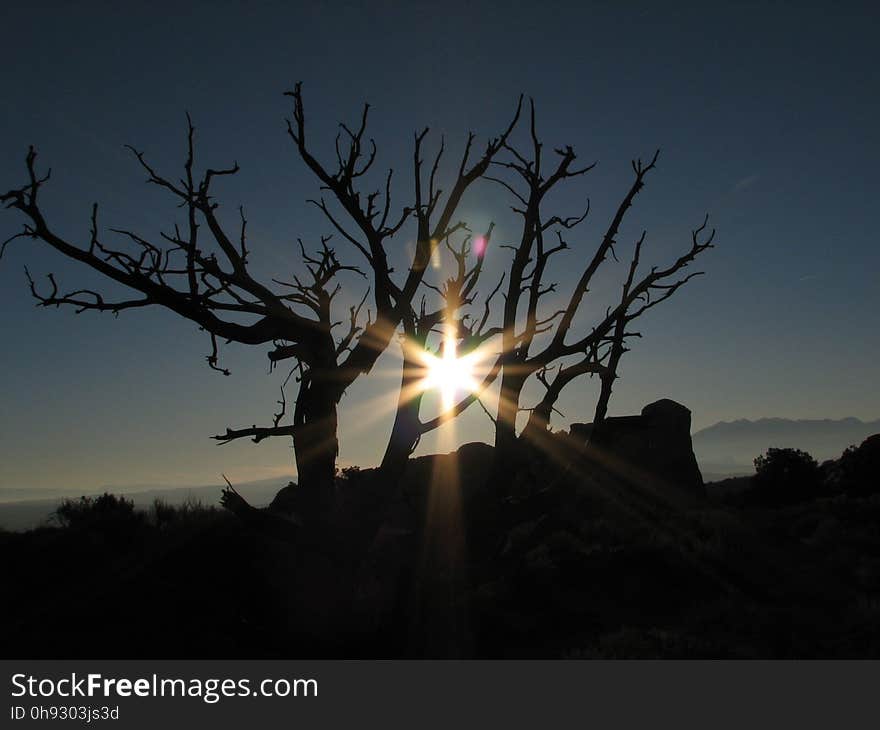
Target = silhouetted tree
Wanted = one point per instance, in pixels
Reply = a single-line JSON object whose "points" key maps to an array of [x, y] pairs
{"points": [[113, 518], [204, 276], [549, 346], [784, 476], [857, 472], [456, 294]]}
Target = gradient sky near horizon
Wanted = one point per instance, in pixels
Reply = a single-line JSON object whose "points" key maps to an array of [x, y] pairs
{"points": [[766, 114]]}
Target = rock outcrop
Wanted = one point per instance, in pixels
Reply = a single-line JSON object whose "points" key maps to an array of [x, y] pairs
{"points": [[657, 442]]}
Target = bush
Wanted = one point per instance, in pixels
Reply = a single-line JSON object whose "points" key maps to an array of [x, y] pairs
{"points": [[786, 476], [162, 513], [107, 514], [189, 512], [858, 471], [349, 473]]}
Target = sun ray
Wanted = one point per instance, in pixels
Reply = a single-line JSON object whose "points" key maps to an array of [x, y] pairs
{"points": [[450, 373]]}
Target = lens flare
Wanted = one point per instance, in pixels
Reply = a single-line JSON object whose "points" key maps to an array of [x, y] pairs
{"points": [[480, 246], [450, 374]]}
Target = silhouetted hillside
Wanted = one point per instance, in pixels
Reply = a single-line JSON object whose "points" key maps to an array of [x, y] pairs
{"points": [[585, 559], [729, 448]]}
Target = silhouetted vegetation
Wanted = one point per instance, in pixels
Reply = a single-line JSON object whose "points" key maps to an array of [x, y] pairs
{"points": [[585, 562], [201, 269], [108, 515], [786, 476], [858, 470], [598, 543]]}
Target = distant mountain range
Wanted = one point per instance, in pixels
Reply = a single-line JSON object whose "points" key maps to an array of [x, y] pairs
{"points": [[729, 448]]}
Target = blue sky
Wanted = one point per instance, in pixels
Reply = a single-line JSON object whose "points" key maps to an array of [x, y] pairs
{"points": [[766, 115]]}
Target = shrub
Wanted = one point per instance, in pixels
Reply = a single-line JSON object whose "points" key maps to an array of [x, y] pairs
{"points": [[188, 513], [786, 476], [162, 513], [349, 473], [107, 514], [859, 468]]}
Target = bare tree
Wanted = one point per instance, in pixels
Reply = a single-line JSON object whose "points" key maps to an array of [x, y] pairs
{"points": [[560, 354], [458, 330], [204, 276], [607, 344]]}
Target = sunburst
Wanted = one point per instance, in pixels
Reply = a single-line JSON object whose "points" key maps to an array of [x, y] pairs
{"points": [[450, 374]]}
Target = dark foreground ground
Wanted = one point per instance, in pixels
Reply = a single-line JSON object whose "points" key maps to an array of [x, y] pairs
{"points": [[585, 562]]}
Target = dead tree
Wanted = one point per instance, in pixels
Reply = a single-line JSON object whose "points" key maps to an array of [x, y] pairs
{"points": [[454, 324], [607, 343], [200, 270], [560, 356]]}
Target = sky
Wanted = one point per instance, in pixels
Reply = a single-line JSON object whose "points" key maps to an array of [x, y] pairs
{"points": [[766, 115]]}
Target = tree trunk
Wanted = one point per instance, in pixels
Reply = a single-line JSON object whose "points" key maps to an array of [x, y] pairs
{"points": [[506, 451], [508, 407], [602, 407], [315, 446], [538, 446], [607, 379], [535, 432], [405, 434], [407, 431]]}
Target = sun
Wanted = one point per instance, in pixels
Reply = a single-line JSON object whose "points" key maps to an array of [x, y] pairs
{"points": [[450, 374]]}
